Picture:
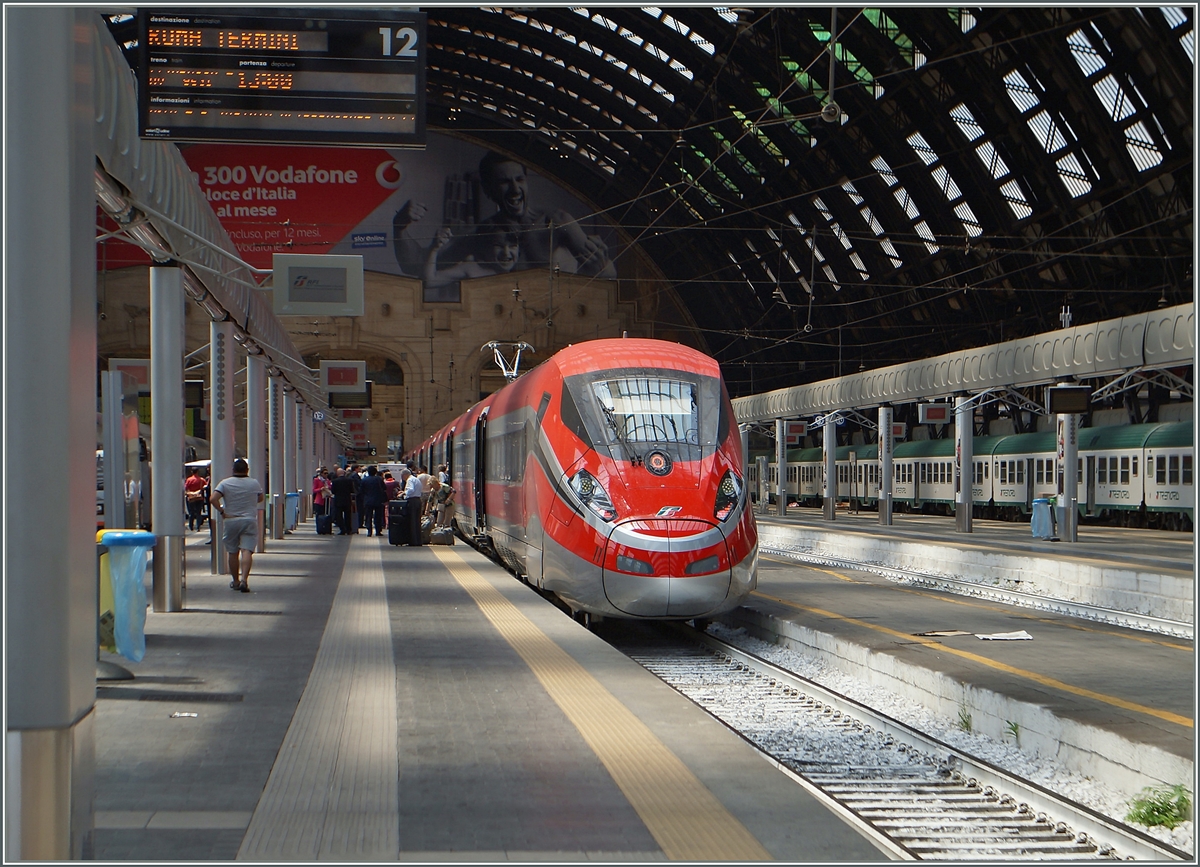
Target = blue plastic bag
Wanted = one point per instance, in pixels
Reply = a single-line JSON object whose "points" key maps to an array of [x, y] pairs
{"points": [[127, 552]]}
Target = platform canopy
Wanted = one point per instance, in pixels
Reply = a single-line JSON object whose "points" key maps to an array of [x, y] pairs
{"points": [[954, 178]]}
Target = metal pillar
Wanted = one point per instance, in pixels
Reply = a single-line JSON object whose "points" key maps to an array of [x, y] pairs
{"points": [[829, 450], [49, 371], [289, 439], [220, 422], [256, 433], [886, 449], [275, 457], [1068, 477], [303, 478], [781, 467], [166, 423], [964, 462]]}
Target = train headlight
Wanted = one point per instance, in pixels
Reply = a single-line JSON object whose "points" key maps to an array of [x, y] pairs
{"points": [[592, 494], [729, 494]]}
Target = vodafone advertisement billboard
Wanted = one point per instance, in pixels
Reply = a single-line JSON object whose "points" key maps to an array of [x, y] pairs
{"points": [[451, 212]]}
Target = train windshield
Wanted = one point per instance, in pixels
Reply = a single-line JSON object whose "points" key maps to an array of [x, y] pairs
{"points": [[631, 410], [649, 410]]}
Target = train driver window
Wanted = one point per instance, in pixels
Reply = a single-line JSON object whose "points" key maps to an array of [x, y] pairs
{"points": [[1125, 471], [1187, 469]]}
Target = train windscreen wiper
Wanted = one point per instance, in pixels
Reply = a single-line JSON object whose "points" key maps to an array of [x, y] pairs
{"points": [[611, 418]]}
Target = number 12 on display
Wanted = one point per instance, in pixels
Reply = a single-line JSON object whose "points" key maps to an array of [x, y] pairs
{"points": [[406, 37]]}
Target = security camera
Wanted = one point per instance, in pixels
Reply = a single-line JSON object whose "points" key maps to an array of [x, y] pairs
{"points": [[831, 112]]}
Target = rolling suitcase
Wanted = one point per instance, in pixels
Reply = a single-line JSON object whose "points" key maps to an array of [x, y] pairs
{"points": [[441, 536], [426, 529], [397, 522], [325, 522]]}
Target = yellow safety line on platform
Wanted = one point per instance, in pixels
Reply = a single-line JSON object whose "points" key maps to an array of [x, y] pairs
{"points": [[949, 597], [685, 818], [991, 663]]}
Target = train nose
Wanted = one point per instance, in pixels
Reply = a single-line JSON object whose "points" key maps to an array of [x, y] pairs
{"points": [[666, 568]]}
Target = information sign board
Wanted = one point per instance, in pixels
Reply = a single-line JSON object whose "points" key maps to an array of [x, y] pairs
{"points": [[349, 77]]}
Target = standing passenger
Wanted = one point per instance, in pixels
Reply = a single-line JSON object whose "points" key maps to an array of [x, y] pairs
{"points": [[412, 494], [374, 497], [236, 500], [426, 489], [343, 498], [193, 490]]}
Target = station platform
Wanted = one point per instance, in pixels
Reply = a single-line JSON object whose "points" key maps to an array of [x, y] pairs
{"points": [[1123, 569], [1114, 703], [367, 702]]}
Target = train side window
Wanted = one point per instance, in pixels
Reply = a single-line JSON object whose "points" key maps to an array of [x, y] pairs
{"points": [[1125, 471], [1135, 466], [1020, 472], [1161, 470], [1173, 470], [1003, 473], [1112, 471], [1187, 469], [1101, 470]]}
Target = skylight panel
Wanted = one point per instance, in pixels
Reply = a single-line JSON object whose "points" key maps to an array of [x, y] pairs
{"points": [[842, 237], [941, 176], [702, 43], [1174, 15], [875, 226], [1016, 199], [1085, 44], [964, 17], [927, 236], [1142, 147], [1113, 97], [1047, 132], [1020, 92], [1073, 175], [726, 14], [970, 127]]}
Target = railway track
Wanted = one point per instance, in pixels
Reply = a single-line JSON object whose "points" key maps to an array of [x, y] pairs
{"points": [[918, 797]]}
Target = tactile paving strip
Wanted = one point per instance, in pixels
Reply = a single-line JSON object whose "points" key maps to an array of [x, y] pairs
{"points": [[685, 818]]}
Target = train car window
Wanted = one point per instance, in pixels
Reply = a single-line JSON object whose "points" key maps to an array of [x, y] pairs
{"points": [[542, 406], [1161, 470], [1101, 469], [1112, 471], [1125, 470], [571, 418], [1135, 462], [1187, 469], [1020, 472], [1173, 470], [1039, 470]]}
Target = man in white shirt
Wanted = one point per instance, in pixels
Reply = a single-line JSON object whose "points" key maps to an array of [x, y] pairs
{"points": [[237, 500], [412, 495]]}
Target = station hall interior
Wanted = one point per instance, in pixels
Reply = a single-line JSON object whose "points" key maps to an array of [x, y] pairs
{"points": [[902, 233]]}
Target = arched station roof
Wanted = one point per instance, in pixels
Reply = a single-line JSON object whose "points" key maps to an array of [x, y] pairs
{"points": [[982, 169]]}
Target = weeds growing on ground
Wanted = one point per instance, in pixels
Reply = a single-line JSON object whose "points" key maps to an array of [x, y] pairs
{"points": [[1165, 805], [1014, 729], [964, 718]]}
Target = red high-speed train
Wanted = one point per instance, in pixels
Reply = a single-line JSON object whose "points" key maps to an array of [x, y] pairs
{"points": [[611, 476]]}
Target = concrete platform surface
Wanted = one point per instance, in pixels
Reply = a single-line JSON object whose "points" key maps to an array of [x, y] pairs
{"points": [[1113, 703], [367, 702]]}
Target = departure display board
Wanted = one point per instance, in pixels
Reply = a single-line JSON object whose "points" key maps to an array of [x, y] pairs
{"points": [[346, 78]]}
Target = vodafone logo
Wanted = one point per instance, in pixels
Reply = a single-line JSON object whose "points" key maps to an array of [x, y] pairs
{"points": [[388, 174]]}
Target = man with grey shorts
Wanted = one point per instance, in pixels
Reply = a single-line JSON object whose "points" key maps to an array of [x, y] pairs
{"points": [[237, 499]]}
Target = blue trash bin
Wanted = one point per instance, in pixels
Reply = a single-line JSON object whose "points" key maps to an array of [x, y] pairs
{"points": [[291, 510], [1041, 523], [127, 550]]}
